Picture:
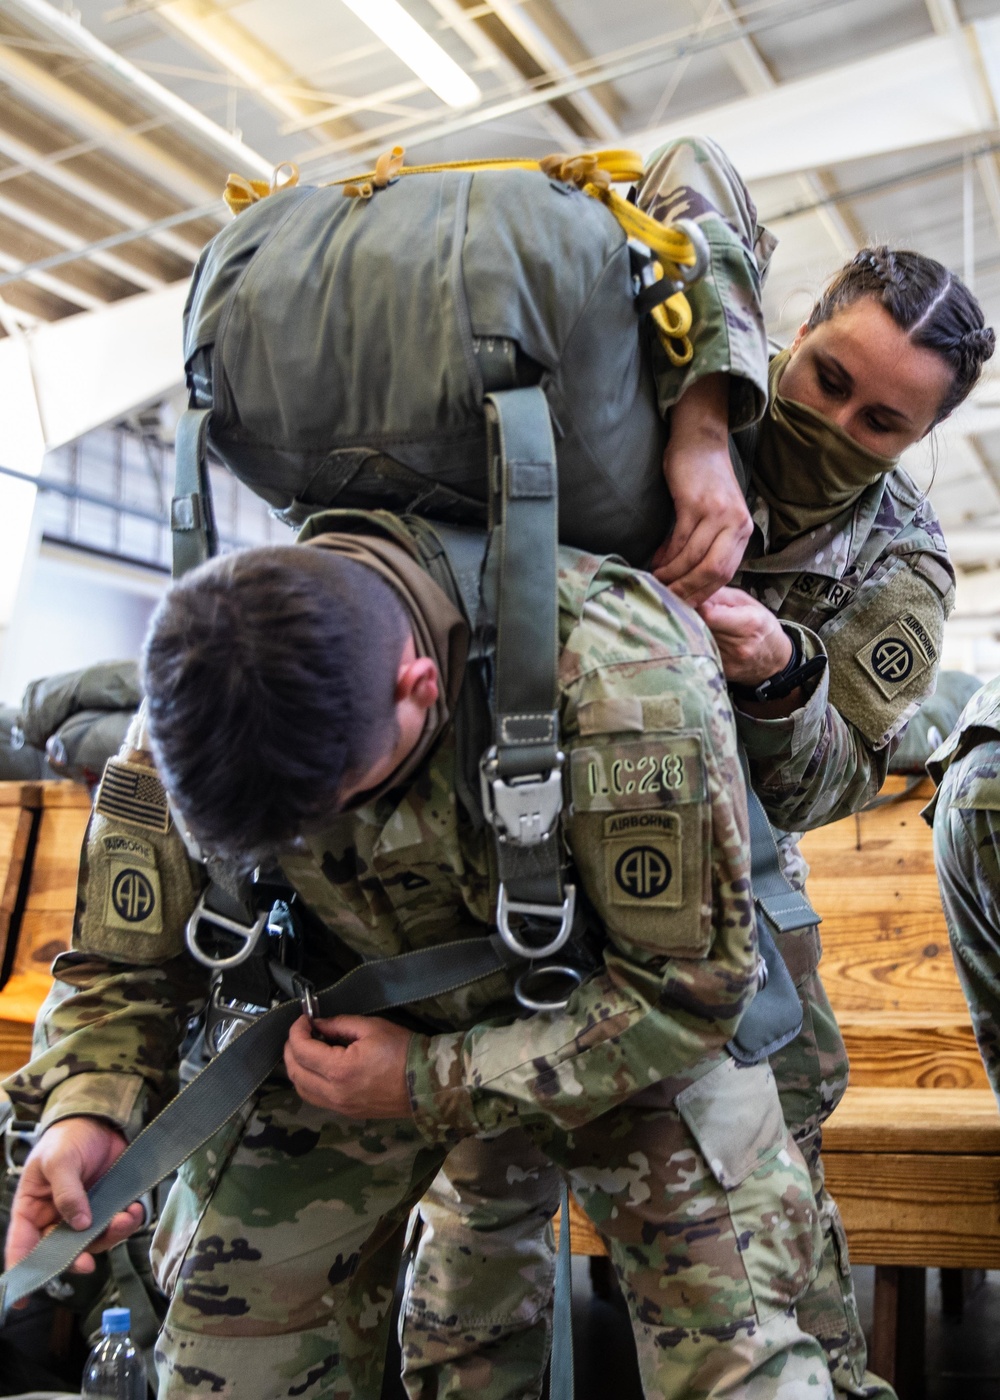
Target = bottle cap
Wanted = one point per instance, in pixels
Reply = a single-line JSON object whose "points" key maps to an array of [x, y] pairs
{"points": [[115, 1320]]}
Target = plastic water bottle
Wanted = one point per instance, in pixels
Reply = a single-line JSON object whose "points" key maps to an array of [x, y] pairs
{"points": [[115, 1369]]}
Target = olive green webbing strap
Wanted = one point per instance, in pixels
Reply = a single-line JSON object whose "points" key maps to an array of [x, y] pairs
{"points": [[561, 1364], [192, 522], [228, 1081], [523, 578]]}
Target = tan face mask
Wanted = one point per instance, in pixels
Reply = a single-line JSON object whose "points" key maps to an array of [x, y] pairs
{"points": [[806, 468]]}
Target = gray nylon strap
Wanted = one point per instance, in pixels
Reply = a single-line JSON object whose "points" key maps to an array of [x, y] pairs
{"points": [[523, 577], [192, 522], [527, 605], [784, 908], [561, 1368], [224, 1085]]}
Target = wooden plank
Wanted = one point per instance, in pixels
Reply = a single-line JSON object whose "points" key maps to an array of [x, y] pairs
{"points": [[919, 1210], [930, 1055], [892, 962], [57, 859], [15, 1046], [583, 1238], [16, 794], [926, 1121], [881, 891], [47, 922]]}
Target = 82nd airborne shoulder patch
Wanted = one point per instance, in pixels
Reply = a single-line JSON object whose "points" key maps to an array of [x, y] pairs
{"points": [[899, 654]]}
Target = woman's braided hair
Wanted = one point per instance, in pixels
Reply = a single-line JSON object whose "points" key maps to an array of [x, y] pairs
{"points": [[924, 299]]}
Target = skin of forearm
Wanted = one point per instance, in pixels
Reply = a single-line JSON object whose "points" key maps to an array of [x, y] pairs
{"points": [[700, 418]]}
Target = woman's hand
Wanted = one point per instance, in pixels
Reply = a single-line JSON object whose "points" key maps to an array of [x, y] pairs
{"points": [[750, 639], [713, 524], [365, 1078]]}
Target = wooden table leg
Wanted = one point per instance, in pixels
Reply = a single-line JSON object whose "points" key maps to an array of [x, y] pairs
{"points": [[898, 1349]]}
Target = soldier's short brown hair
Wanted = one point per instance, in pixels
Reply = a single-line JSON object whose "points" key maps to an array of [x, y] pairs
{"points": [[270, 679]]}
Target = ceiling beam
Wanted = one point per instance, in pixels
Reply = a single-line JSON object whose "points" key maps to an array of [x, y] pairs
{"points": [[153, 163], [55, 233], [49, 168], [911, 96], [65, 291], [946, 20], [546, 37], [747, 63], [211, 30], [116, 69]]}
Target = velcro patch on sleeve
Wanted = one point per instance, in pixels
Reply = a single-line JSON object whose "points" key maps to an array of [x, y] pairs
{"points": [[640, 836], [131, 792], [884, 650]]}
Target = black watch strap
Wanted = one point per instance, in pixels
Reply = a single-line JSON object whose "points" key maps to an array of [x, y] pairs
{"points": [[794, 673]]}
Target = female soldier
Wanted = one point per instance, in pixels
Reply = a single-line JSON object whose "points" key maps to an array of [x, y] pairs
{"points": [[846, 561]]}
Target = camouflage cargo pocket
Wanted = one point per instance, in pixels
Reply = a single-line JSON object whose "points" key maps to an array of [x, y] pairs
{"points": [[189, 1198], [640, 834], [734, 1115]]}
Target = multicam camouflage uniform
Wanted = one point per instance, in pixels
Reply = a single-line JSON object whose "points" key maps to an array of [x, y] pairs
{"points": [[871, 589], [281, 1241], [965, 813]]}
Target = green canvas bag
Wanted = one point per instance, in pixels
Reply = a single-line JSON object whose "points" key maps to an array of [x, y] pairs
{"points": [[344, 345]]}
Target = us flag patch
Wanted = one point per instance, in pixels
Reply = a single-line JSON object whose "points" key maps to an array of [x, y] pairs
{"points": [[132, 793]]}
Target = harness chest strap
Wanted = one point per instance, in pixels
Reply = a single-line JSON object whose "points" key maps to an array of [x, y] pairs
{"points": [[228, 1081]]}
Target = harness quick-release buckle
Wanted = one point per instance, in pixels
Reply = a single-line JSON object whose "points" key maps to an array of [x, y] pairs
{"points": [[225, 1020], [18, 1140], [248, 934], [526, 810]]}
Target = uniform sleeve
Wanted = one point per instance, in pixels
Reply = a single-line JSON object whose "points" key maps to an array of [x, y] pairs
{"points": [[692, 178], [107, 1040], [658, 833], [967, 857], [831, 756]]}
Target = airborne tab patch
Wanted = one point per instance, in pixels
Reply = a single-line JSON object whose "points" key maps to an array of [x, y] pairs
{"points": [[643, 860], [131, 792], [134, 903], [900, 653]]}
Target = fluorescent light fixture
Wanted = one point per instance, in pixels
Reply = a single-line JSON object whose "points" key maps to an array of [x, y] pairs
{"points": [[409, 41]]}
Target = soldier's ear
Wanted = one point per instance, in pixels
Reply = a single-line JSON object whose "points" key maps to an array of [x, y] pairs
{"points": [[800, 336], [417, 682]]}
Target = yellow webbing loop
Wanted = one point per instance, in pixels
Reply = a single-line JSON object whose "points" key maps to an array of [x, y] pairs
{"points": [[592, 172], [240, 193]]}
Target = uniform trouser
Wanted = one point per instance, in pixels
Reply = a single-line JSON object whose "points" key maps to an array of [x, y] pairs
{"points": [[967, 857], [477, 1314], [281, 1241]]}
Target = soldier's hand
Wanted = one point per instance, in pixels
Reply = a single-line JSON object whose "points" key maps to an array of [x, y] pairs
{"points": [[749, 637], [67, 1159], [364, 1078], [713, 523]]}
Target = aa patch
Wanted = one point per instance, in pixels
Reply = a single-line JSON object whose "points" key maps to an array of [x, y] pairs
{"points": [[643, 854], [134, 902], [130, 792], [900, 653]]}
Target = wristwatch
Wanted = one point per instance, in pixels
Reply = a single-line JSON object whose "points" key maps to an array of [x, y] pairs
{"points": [[794, 673]]}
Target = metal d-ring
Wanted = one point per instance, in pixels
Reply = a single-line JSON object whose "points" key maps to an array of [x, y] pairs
{"points": [[522, 987]]}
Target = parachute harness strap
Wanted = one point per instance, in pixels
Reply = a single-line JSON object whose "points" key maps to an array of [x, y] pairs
{"points": [[676, 248]]}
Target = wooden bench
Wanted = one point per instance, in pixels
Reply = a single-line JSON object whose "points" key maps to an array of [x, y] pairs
{"points": [[42, 909], [913, 1152]]}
